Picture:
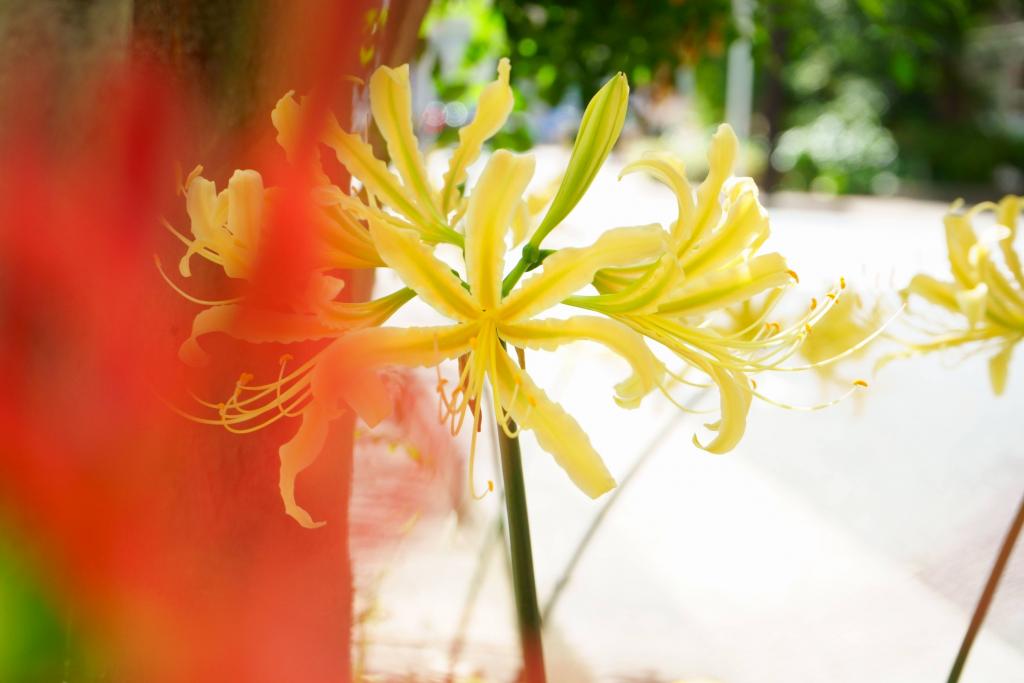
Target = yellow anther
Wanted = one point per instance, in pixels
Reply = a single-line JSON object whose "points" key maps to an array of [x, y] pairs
{"points": [[842, 283], [792, 274], [832, 295], [860, 383], [807, 328], [814, 303], [490, 485], [532, 401], [753, 383]]}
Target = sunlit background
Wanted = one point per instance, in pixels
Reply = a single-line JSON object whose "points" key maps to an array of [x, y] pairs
{"points": [[848, 544]]}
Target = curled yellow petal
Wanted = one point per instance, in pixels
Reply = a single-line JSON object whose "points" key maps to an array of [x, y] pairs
{"points": [[934, 291], [492, 111], [569, 270], [972, 303], [735, 396], [299, 452], [255, 326], [998, 368], [721, 161], [643, 294], [671, 172], [245, 212], [1007, 214], [743, 229], [207, 212], [391, 103], [345, 315], [419, 269], [1004, 302], [226, 226], [960, 239], [492, 205], [288, 119], [357, 156], [548, 335], [347, 372], [347, 243], [722, 288], [557, 432]]}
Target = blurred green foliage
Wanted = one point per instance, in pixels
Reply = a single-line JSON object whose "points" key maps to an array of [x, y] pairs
{"points": [[487, 40], [35, 635], [858, 91], [561, 46], [849, 95]]}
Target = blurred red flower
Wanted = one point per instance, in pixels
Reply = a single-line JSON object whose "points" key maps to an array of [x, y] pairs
{"points": [[166, 535]]}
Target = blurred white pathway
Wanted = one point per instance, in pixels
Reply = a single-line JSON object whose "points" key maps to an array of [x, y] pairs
{"points": [[847, 545]]}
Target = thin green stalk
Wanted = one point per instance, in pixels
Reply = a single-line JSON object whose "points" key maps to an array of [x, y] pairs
{"points": [[527, 610], [981, 609]]}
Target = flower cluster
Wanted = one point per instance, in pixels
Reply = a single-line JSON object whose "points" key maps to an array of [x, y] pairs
{"points": [[986, 294], [637, 287]]}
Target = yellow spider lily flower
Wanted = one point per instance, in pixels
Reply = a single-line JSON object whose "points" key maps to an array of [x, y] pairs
{"points": [[485, 322], [712, 264], [845, 333], [225, 226], [415, 202], [842, 333], [228, 229], [987, 289], [409, 200]]}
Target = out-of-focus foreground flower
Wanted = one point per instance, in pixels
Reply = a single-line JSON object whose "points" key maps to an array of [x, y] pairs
{"points": [[986, 294], [158, 546]]}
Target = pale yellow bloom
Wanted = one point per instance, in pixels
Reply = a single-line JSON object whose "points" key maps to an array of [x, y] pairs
{"points": [[406, 198], [852, 324], [666, 286], [845, 333], [225, 226], [406, 215], [486, 321], [228, 229], [986, 293], [712, 265]]}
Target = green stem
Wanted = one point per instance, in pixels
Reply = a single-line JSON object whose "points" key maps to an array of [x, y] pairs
{"points": [[988, 594], [527, 609], [533, 256]]}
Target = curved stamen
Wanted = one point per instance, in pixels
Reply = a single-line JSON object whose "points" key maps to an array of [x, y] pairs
{"points": [[181, 292]]}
